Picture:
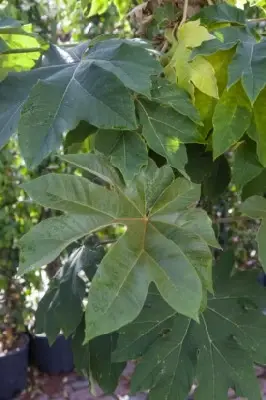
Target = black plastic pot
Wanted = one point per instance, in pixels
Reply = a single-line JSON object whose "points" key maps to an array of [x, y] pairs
{"points": [[13, 371], [54, 359]]}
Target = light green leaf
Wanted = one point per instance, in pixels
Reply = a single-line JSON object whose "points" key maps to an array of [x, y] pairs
{"points": [[248, 62], [231, 119], [122, 6], [245, 165], [190, 35], [127, 151], [97, 7], [174, 351], [162, 244]]}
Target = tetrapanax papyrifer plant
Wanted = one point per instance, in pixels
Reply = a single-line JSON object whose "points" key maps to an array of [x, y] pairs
{"points": [[155, 128]]}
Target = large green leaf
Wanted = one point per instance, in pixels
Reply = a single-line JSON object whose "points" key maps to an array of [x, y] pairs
{"points": [[165, 131], [74, 90], [255, 207], [247, 64], [245, 165], [65, 295], [15, 89], [220, 13], [166, 240], [94, 359], [127, 150], [231, 119], [218, 353]]}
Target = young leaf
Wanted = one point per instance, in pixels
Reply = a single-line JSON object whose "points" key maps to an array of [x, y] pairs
{"points": [[175, 350], [127, 151], [94, 359], [163, 243], [231, 119], [97, 7], [248, 62], [191, 35], [245, 165]]}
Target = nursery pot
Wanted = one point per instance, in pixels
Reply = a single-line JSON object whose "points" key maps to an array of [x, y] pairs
{"points": [[54, 359], [13, 370]]}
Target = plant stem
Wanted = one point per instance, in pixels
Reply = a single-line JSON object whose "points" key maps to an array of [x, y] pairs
{"points": [[21, 51], [257, 20], [184, 17], [230, 220]]}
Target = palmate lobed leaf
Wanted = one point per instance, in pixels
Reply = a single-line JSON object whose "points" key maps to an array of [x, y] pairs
{"points": [[166, 240], [73, 86], [218, 353]]}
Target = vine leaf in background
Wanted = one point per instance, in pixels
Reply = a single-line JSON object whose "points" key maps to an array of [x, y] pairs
{"points": [[166, 240], [220, 351]]}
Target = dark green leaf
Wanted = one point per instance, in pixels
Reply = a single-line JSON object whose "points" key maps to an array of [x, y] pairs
{"points": [[127, 151], [217, 181], [256, 186], [220, 13], [165, 131], [175, 350], [245, 165], [77, 136], [63, 298], [198, 156], [231, 119], [94, 359], [171, 95], [255, 207], [66, 293]]}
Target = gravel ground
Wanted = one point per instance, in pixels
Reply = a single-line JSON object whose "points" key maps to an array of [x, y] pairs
{"points": [[73, 387]]}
